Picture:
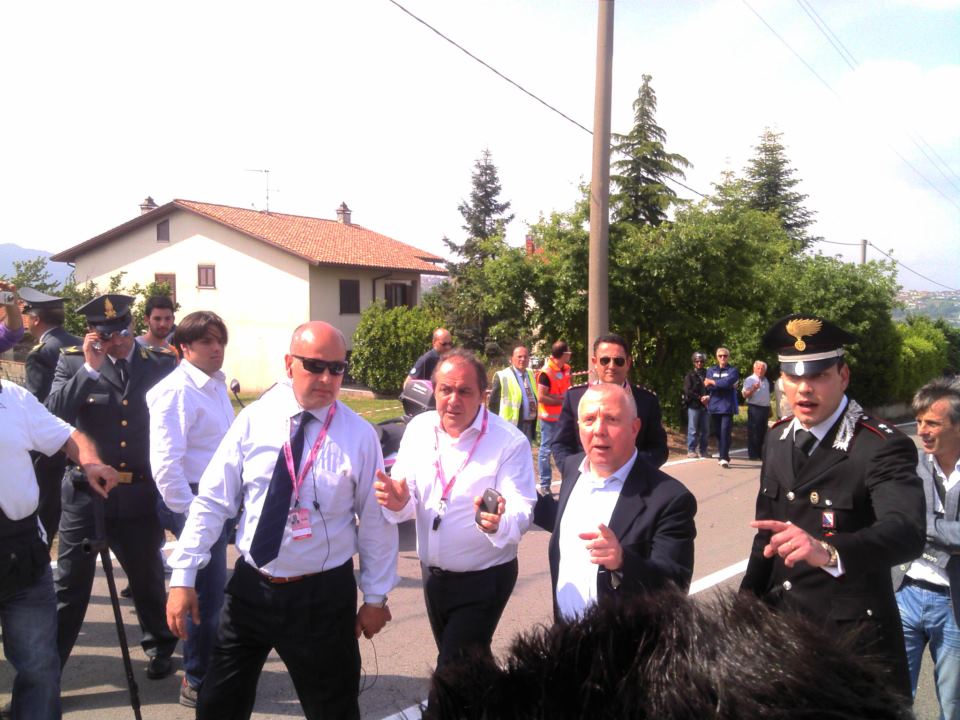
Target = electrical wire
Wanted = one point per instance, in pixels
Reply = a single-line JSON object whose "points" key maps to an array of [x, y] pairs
{"points": [[837, 95], [945, 287], [852, 63], [516, 84]]}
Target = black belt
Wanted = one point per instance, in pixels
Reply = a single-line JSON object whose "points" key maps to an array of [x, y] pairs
{"points": [[929, 586], [440, 572]]}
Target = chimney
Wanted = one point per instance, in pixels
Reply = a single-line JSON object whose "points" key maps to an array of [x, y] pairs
{"points": [[343, 214], [147, 205]]}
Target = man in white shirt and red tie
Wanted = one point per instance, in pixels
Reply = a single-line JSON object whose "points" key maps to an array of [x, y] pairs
{"points": [[190, 412], [303, 466], [448, 459]]}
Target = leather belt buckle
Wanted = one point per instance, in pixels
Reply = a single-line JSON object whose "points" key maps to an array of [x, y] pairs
{"points": [[125, 478]]}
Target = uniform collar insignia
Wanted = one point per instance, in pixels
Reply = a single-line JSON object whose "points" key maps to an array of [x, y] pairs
{"points": [[848, 424]]}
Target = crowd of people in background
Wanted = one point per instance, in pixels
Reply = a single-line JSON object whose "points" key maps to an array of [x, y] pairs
{"points": [[141, 434]]}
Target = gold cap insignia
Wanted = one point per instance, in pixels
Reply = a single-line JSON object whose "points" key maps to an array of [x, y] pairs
{"points": [[801, 327], [110, 313], [814, 497]]}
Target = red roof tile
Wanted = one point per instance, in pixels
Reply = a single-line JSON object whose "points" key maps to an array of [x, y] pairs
{"points": [[321, 242]]}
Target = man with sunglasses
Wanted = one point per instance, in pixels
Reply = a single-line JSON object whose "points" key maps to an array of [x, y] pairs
{"points": [[423, 368], [721, 384], [612, 363], [303, 465], [101, 388]]}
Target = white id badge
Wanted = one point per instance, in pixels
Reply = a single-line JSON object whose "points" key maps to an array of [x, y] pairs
{"points": [[300, 524]]}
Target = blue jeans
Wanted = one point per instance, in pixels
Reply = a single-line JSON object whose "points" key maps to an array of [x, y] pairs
{"points": [[697, 431], [928, 619], [211, 580], [723, 429], [29, 621], [548, 430]]}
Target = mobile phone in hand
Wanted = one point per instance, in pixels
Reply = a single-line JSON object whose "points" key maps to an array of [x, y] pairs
{"points": [[488, 503]]}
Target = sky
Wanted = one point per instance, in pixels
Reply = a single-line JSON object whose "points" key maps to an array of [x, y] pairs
{"points": [[357, 102]]}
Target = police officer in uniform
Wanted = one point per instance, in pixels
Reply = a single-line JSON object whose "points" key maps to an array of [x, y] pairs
{"points": [[100, 388], [839, 503], [43, 318]]}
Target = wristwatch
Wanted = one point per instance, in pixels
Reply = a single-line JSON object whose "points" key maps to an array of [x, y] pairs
{"points": [[379, 603], [832, 551]]}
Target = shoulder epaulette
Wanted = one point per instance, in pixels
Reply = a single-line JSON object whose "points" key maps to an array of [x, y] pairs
{"points": [[36, 347], [159, 350], [645, 389], [877, 426], [72, 350], [782, 420], [580, 385]]}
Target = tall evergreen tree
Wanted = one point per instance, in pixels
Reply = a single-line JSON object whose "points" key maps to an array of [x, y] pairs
{"points": [[484, 213], [642, 196], [771, 184]]}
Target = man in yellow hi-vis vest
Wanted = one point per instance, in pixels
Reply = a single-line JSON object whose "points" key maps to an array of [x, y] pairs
{"points": [[513, 394]]}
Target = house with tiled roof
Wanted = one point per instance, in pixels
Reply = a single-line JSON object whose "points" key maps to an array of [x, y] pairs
{"points": [[263, 272]]}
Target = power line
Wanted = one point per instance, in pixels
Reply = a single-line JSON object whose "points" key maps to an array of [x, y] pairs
{"points": [[490, 67], [516, 84], [837, 95], [945, 287], [852, 63]]}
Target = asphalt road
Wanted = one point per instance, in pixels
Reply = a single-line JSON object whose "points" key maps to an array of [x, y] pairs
{"points": [[397, 662]]}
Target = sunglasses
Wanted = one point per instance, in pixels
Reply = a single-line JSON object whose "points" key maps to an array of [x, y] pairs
{"points": [[618, 361], [105, 336], [317, 367], [721, 355]]}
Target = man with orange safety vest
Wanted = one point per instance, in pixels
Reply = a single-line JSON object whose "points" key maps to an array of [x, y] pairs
{"points": [[553, 381]]}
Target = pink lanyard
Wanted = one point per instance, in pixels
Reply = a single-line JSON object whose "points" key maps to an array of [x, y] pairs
{"points": [[439, 465], [288, 454]]}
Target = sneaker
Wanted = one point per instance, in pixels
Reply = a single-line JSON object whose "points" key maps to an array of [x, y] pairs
{"points": [[188, 694], [692, 455], [724, 463]]}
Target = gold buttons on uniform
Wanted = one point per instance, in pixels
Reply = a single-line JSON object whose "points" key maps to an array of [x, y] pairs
{"points": [[814, 497], [126, 402], [123, 464], [123, 423], [790, 495], [787, 585], [123, 443]]}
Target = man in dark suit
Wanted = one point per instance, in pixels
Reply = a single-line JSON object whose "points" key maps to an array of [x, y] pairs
{"points": [[928, 589], [100, 388], [839, 503], [43, 318], [620, 526], [612, 363]]}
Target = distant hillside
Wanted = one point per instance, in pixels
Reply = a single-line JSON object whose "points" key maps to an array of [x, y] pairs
{"points": [[9, 253]]}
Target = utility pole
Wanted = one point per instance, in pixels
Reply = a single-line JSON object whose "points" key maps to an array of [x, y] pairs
{"points": [[863, 251], [598, 298]]}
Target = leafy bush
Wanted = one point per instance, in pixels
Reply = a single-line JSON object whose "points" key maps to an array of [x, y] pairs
{"points": [[923, 355], [387, 344]]}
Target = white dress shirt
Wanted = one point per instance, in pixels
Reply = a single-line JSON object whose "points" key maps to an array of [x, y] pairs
{"points": [[190, 412], [928, 571], [340, 483], [502, 461], [591, 502], [25, 425]]}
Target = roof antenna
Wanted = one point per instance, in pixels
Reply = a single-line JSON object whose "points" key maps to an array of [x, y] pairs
{"points": [[266, 174]]}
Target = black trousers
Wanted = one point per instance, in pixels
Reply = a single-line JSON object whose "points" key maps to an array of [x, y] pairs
{"points": [[757, 416], [465, 607], [135, 539], [310, 623]]}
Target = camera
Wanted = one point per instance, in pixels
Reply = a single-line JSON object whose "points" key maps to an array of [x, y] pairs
{"points": [[7, 297]]}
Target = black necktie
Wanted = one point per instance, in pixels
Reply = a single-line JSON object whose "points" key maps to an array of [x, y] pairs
{"points": [[276, 508], [122, 371], [803, 442]]}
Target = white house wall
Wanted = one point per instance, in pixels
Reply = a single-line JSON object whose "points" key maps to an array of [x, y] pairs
{"points": [[261, 293]]}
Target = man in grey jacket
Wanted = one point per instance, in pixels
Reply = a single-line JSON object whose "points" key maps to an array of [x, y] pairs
{"points": [[928, 589]]}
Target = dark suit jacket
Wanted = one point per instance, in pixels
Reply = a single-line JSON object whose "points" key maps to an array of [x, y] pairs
{"points": [[115, 417], [873, 499], [41, 363], [943, 533], [653, 520], [651, 440]]}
